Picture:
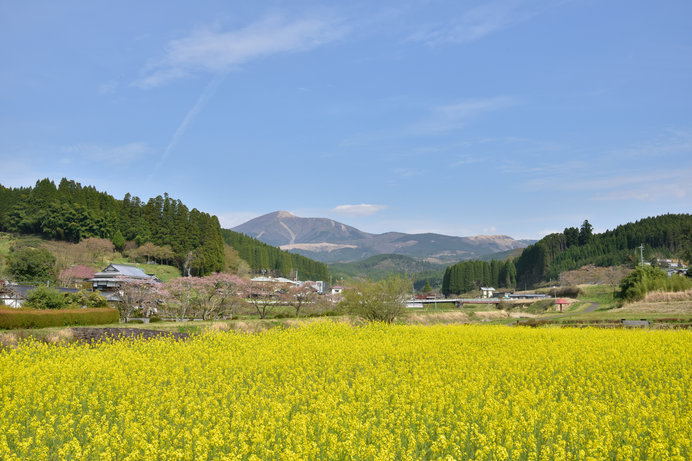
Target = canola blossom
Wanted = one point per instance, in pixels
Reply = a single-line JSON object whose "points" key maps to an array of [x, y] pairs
{"points": [[333, 391]]}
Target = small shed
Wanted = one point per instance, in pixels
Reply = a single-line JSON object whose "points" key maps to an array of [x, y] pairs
{"points": [[559, 302], [487, 292]]}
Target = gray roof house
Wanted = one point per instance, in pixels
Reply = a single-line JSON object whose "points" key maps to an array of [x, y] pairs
{"points": [[14, 295], [114, 275]]}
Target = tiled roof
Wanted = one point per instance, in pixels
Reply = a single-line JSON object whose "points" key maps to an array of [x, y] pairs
{"points": [[122, 270]]}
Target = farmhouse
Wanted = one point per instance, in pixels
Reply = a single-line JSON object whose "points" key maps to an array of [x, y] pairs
{"points": [[13, 295], [112, 277]]}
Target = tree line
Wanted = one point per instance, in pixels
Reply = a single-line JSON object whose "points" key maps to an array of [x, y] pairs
{"points": [[668, 235], [472, 275], [262, 257], [163, 228]]}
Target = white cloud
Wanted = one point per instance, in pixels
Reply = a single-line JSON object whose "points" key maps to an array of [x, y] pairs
{"points": [[125, 153], [364, 209], [206, 51]]}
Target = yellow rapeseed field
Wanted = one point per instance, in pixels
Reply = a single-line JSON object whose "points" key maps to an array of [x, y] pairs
{"points": [[332, 391]]}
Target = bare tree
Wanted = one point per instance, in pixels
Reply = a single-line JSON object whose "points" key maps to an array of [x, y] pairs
{"points": [[299, 295]]}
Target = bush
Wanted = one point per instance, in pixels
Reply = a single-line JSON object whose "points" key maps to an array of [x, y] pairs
{"points": [[45, 298], [28, 264], [644, 279], [568, 292], [381, 301], [155, 319], [85, 298], [41, 318]]}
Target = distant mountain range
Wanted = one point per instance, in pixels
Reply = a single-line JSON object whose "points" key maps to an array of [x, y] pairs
{"points": [[330, 241]]}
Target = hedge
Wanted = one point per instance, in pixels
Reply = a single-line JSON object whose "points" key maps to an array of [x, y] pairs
{"points": [[41, 318]]}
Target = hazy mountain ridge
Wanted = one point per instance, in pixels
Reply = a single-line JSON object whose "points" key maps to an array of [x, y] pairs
{"points": [[330, 241]]}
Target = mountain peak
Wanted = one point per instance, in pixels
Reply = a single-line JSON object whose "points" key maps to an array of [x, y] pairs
{"points": [[327, 240]]}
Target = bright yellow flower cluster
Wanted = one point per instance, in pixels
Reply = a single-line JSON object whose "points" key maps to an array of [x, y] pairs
{"points": [[332, 391]]}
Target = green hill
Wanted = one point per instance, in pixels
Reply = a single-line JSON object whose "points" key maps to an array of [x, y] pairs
{"points": [[161, 230], [382, 266], [663, 236], [264, 257]]}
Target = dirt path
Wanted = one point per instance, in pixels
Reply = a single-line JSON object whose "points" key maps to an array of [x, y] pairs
{"points": [[592, 307]]}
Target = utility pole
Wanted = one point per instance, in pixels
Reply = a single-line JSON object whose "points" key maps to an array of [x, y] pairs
{"points": [[641, 250]]}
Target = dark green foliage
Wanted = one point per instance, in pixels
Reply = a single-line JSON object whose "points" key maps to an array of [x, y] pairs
{"points": [[472, 275], [50, 298], [35, 318], [645, 279], [72, 212], [118, 240], [263, 257], [667, 235], [28, 264], [585, 233]]}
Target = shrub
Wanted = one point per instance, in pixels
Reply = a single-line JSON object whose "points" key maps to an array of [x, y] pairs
{"points": [[155, 319], [644, 279], [568, 291], [381, 301], [45, 298], [85, 298], [31, 264], [41, 318]]}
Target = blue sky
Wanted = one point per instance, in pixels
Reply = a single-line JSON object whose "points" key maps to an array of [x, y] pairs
{"points": [[460, 117]]}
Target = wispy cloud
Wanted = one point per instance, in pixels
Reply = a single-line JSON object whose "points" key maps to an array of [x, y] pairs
{"points": [[463, 160], [108, 87], [481, 21], [202, 101], [453, 116], [650, 185], [670, 142], [122, 154], [207, 51], [364, 209]]}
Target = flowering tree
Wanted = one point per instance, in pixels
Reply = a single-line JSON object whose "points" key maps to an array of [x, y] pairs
{"points": [[207, 297], [137, 295], [74, 274]]}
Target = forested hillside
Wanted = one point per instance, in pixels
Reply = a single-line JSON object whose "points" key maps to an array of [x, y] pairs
{"points": [[72, 212], [382, 266], [261, 256], [668, 235], [472, 275]]}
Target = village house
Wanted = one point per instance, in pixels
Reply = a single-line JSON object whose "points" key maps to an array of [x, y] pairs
{"points": [[110, 279], [13, 295]]}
